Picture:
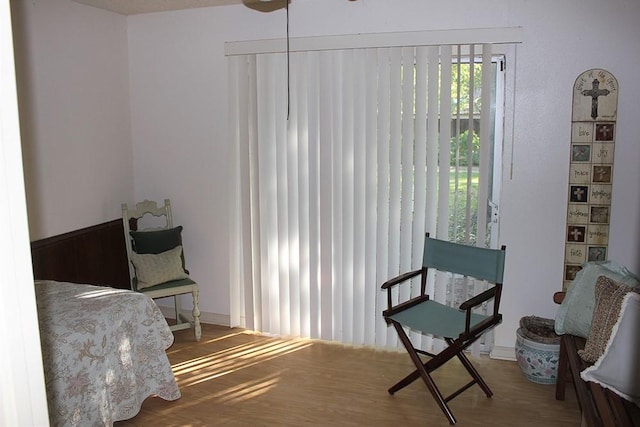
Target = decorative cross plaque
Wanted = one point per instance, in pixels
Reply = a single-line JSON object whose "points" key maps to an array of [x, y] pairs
{"points": [[593, 130], [594, 93]]}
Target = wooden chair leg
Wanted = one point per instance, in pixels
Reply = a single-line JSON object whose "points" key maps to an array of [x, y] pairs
{"points": [[472, 370], [563, 371], [178, 309], [196, 315], [404, 382], [422, 372]]}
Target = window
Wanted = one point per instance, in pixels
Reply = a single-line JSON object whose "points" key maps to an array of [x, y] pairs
{"points": [[335, 197]]}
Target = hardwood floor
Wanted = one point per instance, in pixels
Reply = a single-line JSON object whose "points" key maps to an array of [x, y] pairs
{"points": [[236, 378]]}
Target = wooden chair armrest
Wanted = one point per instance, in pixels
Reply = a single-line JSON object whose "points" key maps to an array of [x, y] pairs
{"points": [[482, 326], [469, 304], [558, 297], [399, 279], [405, 305], [478, 299], [395, 281]]}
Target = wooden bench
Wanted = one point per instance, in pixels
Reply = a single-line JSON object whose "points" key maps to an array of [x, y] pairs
{"points": [[599, 406]]}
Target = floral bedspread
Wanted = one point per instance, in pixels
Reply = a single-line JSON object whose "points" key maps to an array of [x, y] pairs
{"points": [[103, 352]]}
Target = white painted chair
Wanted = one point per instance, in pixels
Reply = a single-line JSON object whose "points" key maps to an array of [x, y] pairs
{"points": [[156, 258]]}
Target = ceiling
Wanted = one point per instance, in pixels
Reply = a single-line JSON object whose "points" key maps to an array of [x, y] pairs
{"points": [[133, 7]]}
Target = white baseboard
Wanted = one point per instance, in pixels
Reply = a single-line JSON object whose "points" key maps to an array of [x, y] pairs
{"points": [[498, 352], [503, 353], [205, 317]]}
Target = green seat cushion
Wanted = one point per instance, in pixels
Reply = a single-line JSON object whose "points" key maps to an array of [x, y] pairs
{"points": [[436, 319], [168, 285]]}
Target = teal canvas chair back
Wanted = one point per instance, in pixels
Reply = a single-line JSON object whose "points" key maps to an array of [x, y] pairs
{"points": [[481, 263]]}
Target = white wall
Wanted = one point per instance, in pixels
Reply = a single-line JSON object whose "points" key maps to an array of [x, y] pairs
{"points": [[179, 130], [178, 74], [563, 39], [73, 84]]}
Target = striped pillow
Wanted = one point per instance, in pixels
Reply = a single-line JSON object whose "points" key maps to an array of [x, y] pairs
{"points": [[609, 296]]}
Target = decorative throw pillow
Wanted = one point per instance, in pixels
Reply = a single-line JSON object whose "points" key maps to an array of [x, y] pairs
{"points": [[609, 296], [617, 369], [157, 241], [153, 269], [576, 311]]}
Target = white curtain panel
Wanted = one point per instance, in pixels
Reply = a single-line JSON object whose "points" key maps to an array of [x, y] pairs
{"points": [[339, 168]]}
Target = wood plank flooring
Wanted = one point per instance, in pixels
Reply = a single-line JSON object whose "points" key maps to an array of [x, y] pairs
{"points": [[234, 377]]}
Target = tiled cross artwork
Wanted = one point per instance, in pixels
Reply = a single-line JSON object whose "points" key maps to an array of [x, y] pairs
{"points": [[593, 135]]}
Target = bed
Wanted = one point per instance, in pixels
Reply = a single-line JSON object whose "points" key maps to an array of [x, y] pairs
{"points": [[104, 348], [104, 352]]}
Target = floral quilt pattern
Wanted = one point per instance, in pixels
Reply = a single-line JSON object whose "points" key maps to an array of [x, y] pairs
{"points": [[103, 352]]}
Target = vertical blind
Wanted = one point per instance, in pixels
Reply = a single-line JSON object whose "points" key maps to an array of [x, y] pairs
{"points": [[340, 165]]}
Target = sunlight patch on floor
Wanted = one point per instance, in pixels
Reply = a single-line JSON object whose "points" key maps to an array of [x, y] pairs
{"points": [[227, 361]]}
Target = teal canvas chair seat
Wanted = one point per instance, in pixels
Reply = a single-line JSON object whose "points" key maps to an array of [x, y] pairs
{"points": [[458, 326], [440, 320]]}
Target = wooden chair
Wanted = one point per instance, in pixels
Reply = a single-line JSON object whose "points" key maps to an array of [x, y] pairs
{"points": [[156, 258], [459, 327]]}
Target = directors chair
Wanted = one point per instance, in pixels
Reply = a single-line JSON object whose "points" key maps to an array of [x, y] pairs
{"points": [[459, 327]]}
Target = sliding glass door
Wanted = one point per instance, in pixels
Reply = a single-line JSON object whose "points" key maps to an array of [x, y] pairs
{"points": [[343, 159]]}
